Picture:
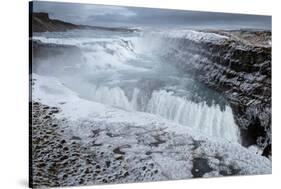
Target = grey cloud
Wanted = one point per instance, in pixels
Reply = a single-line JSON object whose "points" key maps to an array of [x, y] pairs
{"points": [[132, 16], [79, 13]]}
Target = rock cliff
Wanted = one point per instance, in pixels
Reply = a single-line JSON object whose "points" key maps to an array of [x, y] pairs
{"points": [[239, 66], [42, 23]]}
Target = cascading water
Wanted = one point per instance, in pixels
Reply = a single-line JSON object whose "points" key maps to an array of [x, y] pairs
{"points": [[120, 71], [210, 120]]}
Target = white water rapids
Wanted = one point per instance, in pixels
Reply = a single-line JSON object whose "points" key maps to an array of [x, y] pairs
{"points": [[124, 71]]}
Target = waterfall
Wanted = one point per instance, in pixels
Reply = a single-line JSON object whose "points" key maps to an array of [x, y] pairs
{"points": [[112, 96], [132, 73], [209, 120]]}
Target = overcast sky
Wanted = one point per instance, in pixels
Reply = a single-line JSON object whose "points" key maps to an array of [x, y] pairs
{"points": [[89, 14]]}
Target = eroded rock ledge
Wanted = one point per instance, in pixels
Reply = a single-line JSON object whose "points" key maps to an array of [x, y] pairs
{"points": [[240, 68]]}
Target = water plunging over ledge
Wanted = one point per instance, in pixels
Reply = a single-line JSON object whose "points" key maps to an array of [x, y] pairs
{"points": [[118, 70]]}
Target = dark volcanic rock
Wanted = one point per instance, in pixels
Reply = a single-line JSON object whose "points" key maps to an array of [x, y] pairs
{"points": [[200, 167], [42, 23], [240, 68]]}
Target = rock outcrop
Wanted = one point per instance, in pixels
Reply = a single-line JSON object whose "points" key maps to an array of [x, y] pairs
{"points": [[238, 66], [42, 23]]}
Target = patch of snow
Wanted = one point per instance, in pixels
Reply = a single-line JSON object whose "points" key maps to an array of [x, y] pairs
{"points": [[193, 35]]}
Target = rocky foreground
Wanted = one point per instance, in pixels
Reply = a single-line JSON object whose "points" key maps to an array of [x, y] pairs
{"points": [[84, 152]]}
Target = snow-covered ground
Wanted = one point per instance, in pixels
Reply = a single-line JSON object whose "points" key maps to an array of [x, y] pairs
{"points": [[177, 151]]}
